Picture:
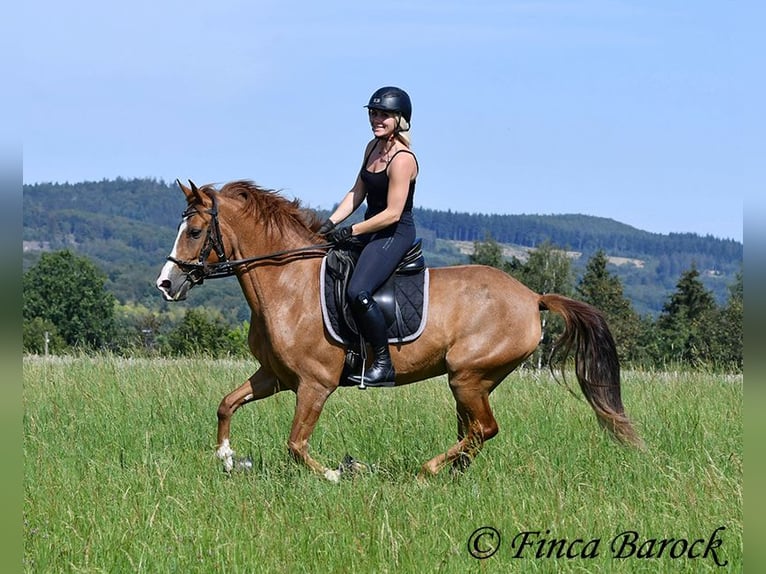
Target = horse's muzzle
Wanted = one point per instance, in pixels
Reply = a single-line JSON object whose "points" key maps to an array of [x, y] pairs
{"points": [[173, 283], [165, 288]]}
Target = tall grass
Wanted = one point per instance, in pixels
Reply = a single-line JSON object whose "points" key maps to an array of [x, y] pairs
{"points": [[120, 475]]}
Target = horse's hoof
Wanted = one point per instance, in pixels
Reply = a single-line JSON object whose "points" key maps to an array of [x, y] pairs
{"points": [[243, 464], [226, 455], [349, 465]]}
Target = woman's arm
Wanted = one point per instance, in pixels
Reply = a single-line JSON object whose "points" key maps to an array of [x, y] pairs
{"points": [[350, 202]]}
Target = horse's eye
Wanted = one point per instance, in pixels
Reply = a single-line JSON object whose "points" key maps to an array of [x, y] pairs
{"points": [[195, 233]]}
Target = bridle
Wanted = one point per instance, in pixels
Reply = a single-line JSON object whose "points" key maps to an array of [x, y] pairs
{"points": [[197, 271]]}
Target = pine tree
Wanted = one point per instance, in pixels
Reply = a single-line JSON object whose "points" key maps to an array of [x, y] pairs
{"points": [[604, 291], [688, 323], [731, 328]]}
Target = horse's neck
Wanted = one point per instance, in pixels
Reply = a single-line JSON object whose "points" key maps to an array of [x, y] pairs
{"points": [[269, 286]]}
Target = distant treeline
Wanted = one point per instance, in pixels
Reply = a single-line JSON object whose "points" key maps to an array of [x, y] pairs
{"points": [[584, 233], [127, 226]]}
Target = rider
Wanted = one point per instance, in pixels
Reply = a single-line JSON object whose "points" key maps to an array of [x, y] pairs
{"points": [[387, 181]]}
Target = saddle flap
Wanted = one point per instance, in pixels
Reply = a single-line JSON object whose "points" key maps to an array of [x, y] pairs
{"points": [[403, 298]]}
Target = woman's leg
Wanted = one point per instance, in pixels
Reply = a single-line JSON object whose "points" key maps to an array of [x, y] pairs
{"points": [[376, 263]]}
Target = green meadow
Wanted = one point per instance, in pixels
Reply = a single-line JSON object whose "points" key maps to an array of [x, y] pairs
{"points": [[120, 476]]}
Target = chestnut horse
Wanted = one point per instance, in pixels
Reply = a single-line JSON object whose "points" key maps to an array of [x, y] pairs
{"points": [[481, 323]]}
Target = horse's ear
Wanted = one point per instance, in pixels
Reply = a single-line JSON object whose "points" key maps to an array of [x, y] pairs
{"points": [[187, 192], [193, 193]]}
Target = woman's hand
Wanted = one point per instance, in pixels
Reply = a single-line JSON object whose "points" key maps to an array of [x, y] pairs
{"points": [[339, 235], [326, 227]]}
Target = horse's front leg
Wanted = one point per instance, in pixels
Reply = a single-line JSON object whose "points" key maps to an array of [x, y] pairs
{"points": [[310, 399], [261, 384]]}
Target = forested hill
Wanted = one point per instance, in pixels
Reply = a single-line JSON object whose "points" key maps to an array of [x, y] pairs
{"points": [[128, 226], [576, 232]]}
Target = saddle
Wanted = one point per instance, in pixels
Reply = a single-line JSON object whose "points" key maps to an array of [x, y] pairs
{"points": [[403, 298]]}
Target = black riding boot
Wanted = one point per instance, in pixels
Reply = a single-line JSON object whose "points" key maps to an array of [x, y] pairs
{"points": [[372, 325]]}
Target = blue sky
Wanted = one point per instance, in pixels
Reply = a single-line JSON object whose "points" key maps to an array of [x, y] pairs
{"points": [[646, 112]]}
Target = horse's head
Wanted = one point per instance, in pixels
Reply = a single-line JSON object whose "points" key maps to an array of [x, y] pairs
{"points": [[198, 244], [250, 216]]}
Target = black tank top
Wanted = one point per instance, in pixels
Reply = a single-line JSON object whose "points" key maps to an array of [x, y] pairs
{"points": [[376, 186]]}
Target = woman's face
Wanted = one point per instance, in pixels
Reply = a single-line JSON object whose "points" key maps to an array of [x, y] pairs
{"points": [[383, 123]]}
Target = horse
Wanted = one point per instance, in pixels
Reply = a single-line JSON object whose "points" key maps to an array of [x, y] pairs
{"points": [[481, 324]]}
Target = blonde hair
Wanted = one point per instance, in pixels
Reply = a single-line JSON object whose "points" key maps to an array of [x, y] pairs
{"points": [[403, 134]]}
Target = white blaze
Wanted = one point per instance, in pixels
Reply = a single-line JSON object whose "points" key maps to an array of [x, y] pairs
{"points": [[171, 273]]}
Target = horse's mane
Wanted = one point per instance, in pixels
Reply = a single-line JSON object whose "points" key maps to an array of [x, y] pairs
{"points": [[269, 208]]}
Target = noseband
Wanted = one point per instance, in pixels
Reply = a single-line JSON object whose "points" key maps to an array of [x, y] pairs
{"points": [[198, 271]]}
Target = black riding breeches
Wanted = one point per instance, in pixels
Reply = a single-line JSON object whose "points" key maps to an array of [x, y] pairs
{"points": [[380, 256]]}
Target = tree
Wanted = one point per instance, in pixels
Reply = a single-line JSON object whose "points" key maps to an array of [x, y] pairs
{"points": [[237, 340], [731, 326], [68, 291], [547, 270], [202, 333], [488, 252], [688, 322], [40, 335], [137, 328], [604, 291]]}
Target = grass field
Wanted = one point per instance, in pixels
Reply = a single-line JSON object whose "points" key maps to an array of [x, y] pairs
{"points": [[120, 476]]}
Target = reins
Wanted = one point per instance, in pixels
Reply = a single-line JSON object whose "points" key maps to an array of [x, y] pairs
{"points": [[227, 267], [198, 271]]}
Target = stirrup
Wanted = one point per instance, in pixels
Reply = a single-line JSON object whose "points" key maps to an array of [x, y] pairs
{"points": [[381, 385], [361, 380]]}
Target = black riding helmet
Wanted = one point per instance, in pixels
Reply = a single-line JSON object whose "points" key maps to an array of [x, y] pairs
{"points": [[391, 99]]}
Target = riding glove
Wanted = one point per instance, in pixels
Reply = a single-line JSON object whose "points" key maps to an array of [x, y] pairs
{"points": [[339, 235], [326, 227]]}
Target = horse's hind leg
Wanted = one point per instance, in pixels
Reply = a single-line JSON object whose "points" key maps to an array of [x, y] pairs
{"points": [[310, 400], [260, 385], [476, 424], [463, 461]]}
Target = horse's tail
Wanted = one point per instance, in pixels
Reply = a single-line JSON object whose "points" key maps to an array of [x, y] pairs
{"points": [[596, 364]]}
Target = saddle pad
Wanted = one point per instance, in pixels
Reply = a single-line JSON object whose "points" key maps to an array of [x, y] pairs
{"points": [[410, 299]]}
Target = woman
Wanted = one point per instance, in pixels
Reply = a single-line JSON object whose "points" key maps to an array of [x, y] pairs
{"points": [[387, 181]]}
